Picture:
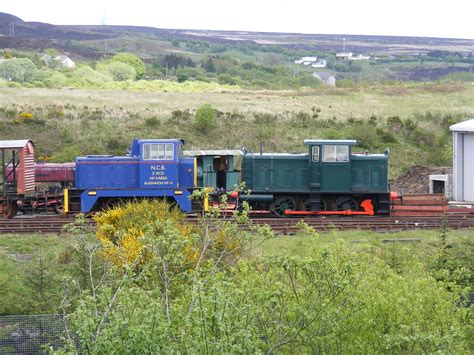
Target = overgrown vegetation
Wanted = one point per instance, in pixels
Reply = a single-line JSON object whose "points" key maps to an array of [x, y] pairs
{"points": [[216, 288], [228, 65], [412, 121]]}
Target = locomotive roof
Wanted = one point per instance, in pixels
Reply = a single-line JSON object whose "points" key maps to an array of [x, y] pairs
{"points": [[159, 140], [194, 153], [331, 141], [14, 144]]}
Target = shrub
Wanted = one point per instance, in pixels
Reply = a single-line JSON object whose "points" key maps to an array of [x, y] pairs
{"points": [[18, 69], [86, 76], [178, 116], [152, 122], [289, 304], [182, 77], [205, 118], [227, 79], [56, 79], [132, 60], [68, 154], [120, 71]]}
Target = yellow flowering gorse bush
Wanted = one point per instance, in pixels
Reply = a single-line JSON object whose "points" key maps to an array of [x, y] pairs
{"points": [[124, 232]]}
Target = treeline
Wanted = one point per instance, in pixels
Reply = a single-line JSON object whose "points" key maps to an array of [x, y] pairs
{"points": [[46, 71]]}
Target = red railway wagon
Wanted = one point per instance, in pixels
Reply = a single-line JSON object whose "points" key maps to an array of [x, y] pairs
{"points": [[62, 173], [18, 183], [55, 172]]}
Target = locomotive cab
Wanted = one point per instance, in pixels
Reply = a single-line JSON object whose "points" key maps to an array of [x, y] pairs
{"points": [[216, 168], [329, 179], [154, 168]]}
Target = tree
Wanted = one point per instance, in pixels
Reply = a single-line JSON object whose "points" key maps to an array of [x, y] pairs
{"points": [[205, 118], [181, 75], [50, 58], [120, 71], [7, 54], [132, 60], [208, 64], [85, 75], [21, 70]]}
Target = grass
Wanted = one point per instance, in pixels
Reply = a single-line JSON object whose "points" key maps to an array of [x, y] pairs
{"points": [[300, 244], [342, 103]]}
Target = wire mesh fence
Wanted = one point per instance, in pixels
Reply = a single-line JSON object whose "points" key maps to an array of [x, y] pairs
{"points": [[31, 334]]}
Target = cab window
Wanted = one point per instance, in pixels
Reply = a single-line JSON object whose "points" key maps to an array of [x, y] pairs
{"points": [[335, 153], [315, 153], [158, 151]]}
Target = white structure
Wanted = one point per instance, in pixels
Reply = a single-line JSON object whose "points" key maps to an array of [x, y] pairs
{"points": [[326, 78], [463, 160], [65, 61], [441, 184], [312, 61], [360, 57], [319, 64], [344, 55]]}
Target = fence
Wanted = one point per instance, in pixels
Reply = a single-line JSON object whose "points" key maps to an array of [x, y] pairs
{"points": [[31, 334]]}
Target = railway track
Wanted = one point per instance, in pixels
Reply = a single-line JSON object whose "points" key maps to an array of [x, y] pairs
{"points": [[56, 224]]}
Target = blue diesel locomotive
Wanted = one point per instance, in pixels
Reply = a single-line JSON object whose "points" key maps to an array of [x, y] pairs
{"points": [[154, 168]]}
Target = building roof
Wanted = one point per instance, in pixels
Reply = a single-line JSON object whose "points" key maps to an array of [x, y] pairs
{"points": [[466, 126], [15, 144], [330, 141], [324, 75]]}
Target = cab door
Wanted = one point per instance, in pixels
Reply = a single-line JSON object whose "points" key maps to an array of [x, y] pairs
{"points": [[315, 168], [336, 168]]}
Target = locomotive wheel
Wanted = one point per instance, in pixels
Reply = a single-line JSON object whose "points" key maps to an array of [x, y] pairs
{"points": [[307, 205], [59, 208], [346, 203], [10, 210], [281, 204]]}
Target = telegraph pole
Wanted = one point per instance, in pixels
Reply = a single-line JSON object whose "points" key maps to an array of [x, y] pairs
{"points": [[11, 27], [102, 23]]}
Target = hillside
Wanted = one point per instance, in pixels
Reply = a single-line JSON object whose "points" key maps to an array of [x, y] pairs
{"points": [[58, 36]]}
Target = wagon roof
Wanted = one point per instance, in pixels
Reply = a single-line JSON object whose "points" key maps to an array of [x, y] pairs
{"points": [[14, 144]]}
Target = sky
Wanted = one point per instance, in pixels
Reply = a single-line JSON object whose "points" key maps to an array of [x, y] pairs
{"points": [[424, 18]]}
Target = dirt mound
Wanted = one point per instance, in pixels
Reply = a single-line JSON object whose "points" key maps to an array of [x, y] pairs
{"points": [[416, 179]]}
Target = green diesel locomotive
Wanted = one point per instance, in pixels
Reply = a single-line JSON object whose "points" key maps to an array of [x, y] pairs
{"points": [[330, 179]]}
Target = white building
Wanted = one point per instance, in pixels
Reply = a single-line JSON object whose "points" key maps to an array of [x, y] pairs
{"points": [[463, 160], [65, 61], [360, 57], [62, 60], [344, 55], [312, 61], [326, 78], [319, 64]]}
